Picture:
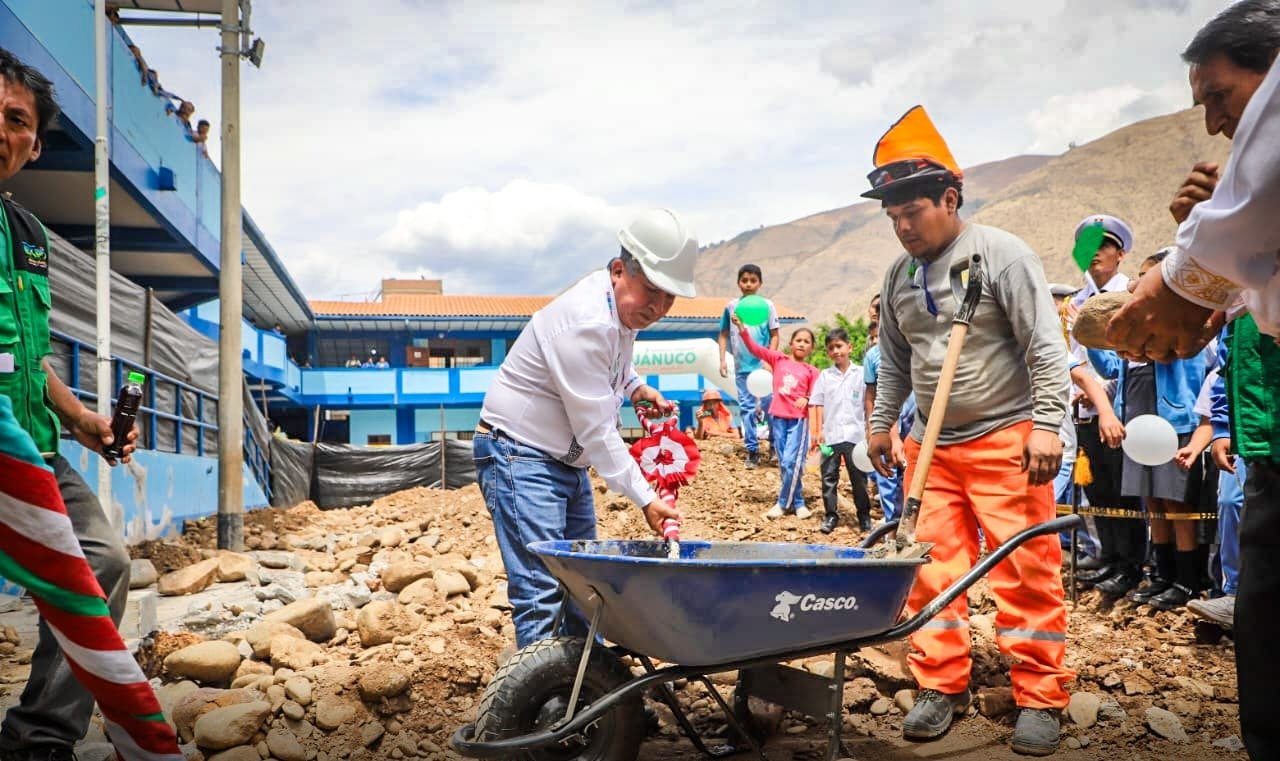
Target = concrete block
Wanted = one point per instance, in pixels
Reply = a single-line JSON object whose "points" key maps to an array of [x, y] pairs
{"points": [[141, 615]]}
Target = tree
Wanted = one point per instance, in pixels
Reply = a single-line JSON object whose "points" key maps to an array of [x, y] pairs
{"points": [[857, 330]]}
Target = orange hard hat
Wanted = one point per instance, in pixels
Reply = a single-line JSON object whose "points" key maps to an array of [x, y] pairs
{"points": [[911, 151]]}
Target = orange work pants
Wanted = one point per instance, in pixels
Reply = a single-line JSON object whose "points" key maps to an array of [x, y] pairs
{"points": [[981, 483]]}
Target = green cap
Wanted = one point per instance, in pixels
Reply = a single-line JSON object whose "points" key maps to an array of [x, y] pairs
{"points": [[137, 377]]}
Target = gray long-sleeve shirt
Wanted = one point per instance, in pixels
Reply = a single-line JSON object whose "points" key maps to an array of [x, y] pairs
{"points": [[1014, 363]]}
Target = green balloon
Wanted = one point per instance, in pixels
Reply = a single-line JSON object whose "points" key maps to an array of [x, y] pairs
{"points": [[752, 310]]}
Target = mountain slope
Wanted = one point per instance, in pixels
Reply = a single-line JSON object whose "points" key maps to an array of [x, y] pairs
{"points": [[834, 261]]}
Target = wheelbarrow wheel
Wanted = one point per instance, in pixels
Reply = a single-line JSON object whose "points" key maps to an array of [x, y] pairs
{"points": [[531, 692]]}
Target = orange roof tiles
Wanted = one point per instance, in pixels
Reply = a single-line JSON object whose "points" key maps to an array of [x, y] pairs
{"points": [[404, 305]]}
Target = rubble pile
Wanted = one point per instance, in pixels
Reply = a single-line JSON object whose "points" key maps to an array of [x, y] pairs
{"points": [[371, 632]]}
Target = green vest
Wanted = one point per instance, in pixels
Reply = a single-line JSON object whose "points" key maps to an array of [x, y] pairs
{"points": [[1252, 380], [24, 323]]}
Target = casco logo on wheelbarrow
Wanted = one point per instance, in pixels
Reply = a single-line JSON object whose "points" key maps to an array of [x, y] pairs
{"points": [[809, 603]]}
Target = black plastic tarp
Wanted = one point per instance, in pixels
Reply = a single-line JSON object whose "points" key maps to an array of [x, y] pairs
{"points": [[176, 349], [291, 466], [344, 475]]}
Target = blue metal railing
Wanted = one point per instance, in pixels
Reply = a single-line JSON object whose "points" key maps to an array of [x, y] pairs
{"points": [[151, 416]]}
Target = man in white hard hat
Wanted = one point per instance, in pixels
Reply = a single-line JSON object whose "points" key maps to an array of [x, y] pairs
{"points": [[553, 410]]}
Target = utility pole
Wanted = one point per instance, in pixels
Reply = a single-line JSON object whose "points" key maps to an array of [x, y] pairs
{"points": [[230, 291], [102, 235]]}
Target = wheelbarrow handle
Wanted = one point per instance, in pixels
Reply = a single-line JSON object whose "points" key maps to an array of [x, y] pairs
{"points": [[984, 566]]}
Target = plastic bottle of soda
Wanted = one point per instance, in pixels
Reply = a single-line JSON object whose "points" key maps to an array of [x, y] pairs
{"points": [[126, 412]]}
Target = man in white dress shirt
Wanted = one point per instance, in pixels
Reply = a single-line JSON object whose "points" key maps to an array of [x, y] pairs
{"points": [[553, 410], [1228, 252]]}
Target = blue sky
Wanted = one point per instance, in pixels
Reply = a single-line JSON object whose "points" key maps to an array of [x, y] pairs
{"points": [[500, 145]]}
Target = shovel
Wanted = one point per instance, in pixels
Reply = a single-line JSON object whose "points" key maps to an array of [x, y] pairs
{"points": [[906, 545]]}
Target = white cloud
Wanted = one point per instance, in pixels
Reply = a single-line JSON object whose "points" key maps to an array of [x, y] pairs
{"points": [[534, 238], [509, 131], [1084, 116]]}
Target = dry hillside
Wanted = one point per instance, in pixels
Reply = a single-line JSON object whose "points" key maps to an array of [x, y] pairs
{"points": [[833, 261]]}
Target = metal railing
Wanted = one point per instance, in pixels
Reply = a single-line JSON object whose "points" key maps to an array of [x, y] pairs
{"points": [[172, 410]]}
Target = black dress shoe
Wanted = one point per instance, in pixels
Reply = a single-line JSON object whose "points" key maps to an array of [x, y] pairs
{"points": [[1120, 583], [1149, 589], [864, 522], [1173, 598], [829, 524]]}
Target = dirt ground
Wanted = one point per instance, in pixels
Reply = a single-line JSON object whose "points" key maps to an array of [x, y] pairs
{"points": [[1131, 659]]}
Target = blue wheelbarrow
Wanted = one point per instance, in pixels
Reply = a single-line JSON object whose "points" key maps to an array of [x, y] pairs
{"points": [[719, 607]]}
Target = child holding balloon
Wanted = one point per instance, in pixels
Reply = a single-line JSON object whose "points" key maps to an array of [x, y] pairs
{"points": [[1167, 390], [793, 382], [761, 318]]}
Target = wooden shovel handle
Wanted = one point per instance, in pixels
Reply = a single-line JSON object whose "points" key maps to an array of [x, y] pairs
{"points": [[938, 409]]}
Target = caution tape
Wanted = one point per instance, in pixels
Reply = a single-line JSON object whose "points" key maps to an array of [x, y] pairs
{"points": [[1120, 512]]}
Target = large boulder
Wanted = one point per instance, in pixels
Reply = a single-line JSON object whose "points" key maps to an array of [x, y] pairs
{"points": [[312, 616], [383, 681], [334, 711], [381, 622], [142, 573], [235, 566], [283, 745], [397, 576], [228, 727], [189, 580], [296, 654], [193, 704], [208, 662], [260, 635]]}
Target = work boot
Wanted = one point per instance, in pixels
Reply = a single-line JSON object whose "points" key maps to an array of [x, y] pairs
{"points": [[803, 512], [1036, 733], [1220, 610], [829, 524], [753, 460], [1120, 583], [932, 714]]}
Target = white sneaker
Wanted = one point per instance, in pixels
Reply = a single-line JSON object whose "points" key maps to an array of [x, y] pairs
{"points": [[803, 512], [1220, 610], [774, 513]]}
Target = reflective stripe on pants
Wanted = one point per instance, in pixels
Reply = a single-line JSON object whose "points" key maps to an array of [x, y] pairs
{"points": [[980, 484]]}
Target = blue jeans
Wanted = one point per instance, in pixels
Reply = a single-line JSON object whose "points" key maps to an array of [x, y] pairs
{"points": [[748, 403], [533, 497], [791, 444], [891, 496], [1230, 500]]}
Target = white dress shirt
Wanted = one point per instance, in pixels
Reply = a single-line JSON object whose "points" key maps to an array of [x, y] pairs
{"points": [[561, 387], [1228, 249], [840, 397]]}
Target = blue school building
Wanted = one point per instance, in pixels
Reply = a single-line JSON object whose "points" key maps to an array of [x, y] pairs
{"points": [[441, 350]]}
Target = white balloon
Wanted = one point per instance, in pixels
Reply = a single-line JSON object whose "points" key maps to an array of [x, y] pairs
{"points": [[1150, 440], [860, 459], [760, 382]]}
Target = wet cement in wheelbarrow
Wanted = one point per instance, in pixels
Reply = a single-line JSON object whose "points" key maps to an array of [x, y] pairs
{"points": [[447, 647]]}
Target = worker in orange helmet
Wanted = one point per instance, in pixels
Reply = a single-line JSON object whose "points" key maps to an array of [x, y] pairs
{"points": [[999, 449]]}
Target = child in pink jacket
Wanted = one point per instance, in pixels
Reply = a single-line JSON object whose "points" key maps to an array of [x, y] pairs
{"points": [[793, 381]]}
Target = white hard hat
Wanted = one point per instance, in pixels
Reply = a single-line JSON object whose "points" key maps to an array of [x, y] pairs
{"points": [[665, 248]]}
